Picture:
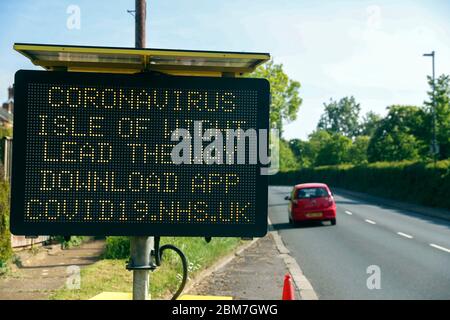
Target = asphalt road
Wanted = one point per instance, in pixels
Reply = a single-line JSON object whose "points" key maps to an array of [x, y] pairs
{"points": [[411, 251]]}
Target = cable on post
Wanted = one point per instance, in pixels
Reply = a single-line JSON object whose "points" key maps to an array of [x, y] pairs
{"points": [[158, 254]]}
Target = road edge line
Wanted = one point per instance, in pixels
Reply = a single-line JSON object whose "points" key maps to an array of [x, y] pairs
{"points": [[303, 285]]}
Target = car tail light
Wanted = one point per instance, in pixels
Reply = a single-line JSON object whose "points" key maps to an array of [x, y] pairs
{"points": [[330, 201]]}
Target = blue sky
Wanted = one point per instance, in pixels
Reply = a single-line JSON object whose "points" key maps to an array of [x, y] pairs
{"points": [[369, 49]]}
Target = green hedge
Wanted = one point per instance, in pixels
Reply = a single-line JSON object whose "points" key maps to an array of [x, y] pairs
{"points": [[117, 248], [5, 236], [414, 182]]}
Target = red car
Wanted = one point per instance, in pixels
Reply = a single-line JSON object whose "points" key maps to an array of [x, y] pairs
{"points": [[311, 201]]}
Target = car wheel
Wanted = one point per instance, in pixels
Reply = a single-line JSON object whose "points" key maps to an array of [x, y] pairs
{"points": [[333, 222]]}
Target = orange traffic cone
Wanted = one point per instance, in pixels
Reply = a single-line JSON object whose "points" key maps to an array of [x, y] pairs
{"points": [[288, 288]]}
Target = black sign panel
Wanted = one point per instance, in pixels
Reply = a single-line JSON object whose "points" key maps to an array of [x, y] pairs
{"points": [[93, 154]]}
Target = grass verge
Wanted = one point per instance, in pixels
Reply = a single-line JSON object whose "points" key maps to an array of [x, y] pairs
{"points": [[111, 275]]}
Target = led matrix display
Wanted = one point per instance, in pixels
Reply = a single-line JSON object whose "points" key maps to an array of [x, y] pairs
{"points": [[93, 155]]}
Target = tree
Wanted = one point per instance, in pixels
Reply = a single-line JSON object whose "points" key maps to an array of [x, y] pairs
{"points": [[400, 136], [317, 140], [285, 99], [370, 123], [324, 148], [440, 99], [4, 132], [341, 117], [306, 151], [288, 160], [358, 151], [303, 151], [394, 146], [334, 151]]}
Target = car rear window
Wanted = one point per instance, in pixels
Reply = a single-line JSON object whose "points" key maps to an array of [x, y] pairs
{"points": [[308, 193]]}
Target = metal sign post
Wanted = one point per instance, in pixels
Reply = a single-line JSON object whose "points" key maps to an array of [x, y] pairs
{"points": [[140, 247], [140, 258]]}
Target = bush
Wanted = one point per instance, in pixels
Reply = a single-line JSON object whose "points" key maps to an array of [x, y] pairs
{"points": [[5, 236], [4, 132], [75, 241], [117, 248], [415, 182]]}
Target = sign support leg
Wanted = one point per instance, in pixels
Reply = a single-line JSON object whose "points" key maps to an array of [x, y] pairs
{"points": [[140, 258]]}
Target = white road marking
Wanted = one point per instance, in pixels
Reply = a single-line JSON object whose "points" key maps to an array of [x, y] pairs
{"points": [[45, 273], [370, 221], [405, 235], [303, 285], [348, 212], [439, 247]]}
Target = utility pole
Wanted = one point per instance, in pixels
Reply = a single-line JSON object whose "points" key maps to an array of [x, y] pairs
{"points": [[434, 143], [140, 17], [140, 247]]}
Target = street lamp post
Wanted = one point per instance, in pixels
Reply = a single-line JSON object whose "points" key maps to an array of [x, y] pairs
{"points": [[434, 144]]}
